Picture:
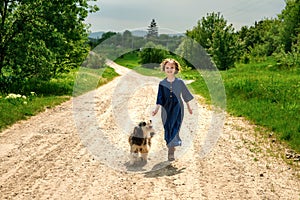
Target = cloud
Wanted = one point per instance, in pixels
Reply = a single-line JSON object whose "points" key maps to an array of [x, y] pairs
{"points": [[118, 15]]}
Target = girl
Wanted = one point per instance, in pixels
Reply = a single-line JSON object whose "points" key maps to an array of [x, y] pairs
{"points": [[169, 95]]}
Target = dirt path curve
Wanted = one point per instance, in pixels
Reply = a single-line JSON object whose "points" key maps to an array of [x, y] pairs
{"points": [[79, 150]]}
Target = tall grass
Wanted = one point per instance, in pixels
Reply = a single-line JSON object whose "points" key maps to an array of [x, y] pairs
{"points": [[266, 96]]}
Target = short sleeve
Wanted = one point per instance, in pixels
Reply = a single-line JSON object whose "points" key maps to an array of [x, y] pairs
{"points": [[186, 94]]}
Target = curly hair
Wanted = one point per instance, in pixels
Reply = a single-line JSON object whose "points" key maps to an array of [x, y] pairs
{"points": [[173, 61]]}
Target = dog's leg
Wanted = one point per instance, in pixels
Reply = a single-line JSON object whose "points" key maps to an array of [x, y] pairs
{"points": [[133, 155], [144, 154], [144, 157]]}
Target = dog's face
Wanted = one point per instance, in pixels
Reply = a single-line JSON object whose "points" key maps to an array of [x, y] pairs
{"points": [[147, 128]]}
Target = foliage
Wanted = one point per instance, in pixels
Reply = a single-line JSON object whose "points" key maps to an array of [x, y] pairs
{"points": [[13, 112], [95, 42], [217, 38], [152, 30], [289, 60], [40, 39], [224, 47], [171, 42], [290, 24], [268, 97], [132, 60], [94, 61], [277, 37], [39, 94], [186, 50], [152, 55], [260, 40], [89, 79]]}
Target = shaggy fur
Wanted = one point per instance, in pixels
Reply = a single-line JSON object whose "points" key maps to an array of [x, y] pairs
{"points": [[140, 142]]}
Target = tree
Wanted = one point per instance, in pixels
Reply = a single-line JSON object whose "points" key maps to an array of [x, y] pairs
{"points": [[152, 54], [41, 38], [152, 30], [105, 36], [127, 39], [262, 39], [187, 50], [217, 38], [290, 23], [224, 47]]}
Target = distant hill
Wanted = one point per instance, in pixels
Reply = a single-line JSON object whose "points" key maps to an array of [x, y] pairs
{"points": [[96, 35], [139, 33]]}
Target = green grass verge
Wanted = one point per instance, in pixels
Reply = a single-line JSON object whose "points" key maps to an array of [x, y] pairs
{"points": [[19, 109], [268, 97], [39, 95], [257, 91], [132, 61]]}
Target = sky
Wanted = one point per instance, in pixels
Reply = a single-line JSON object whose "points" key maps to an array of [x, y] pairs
{"points": [[174, 16]]}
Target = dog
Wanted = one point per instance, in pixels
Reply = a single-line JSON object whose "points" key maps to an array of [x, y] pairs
{"points": [[140, 142]]}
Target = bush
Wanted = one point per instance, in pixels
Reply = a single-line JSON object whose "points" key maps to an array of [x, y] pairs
{"points": [[152, 54]]}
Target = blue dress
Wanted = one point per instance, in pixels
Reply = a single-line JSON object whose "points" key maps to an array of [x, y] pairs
{"points": [[172, 112]]}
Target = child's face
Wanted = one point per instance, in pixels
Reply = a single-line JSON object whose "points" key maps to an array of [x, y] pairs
{"points": [[170, 68]]}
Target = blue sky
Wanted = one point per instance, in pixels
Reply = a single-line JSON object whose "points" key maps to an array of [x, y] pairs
{"points": [[178, 16]]}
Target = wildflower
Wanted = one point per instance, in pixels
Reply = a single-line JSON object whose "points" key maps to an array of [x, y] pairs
{"points": [[11, 96]]}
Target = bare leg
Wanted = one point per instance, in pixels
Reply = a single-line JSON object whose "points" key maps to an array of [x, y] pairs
{"points": [[171, 151]]}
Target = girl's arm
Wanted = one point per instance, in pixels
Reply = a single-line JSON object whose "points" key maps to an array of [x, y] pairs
{"points": [[155, 110], [189, 108]]}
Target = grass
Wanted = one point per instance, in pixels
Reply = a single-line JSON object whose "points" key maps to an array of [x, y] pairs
{"points": [[266, 96], [39, 95], [89, 79], [132, 61], [257, 91], [12, 112]]}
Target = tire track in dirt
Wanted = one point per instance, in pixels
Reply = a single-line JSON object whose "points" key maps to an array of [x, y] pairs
{"points": [[46, 156]]}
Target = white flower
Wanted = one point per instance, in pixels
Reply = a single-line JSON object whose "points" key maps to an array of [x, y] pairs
{"points": [[11, 96]]}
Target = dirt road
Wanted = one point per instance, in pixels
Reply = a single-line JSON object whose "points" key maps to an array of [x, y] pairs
{"points": [[79, 150]]}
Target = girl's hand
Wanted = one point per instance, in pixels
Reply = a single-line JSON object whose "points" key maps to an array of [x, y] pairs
{"points": [[155, 110], [189, 108]]}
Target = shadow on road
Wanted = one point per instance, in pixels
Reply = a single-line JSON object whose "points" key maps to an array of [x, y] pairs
{"points": [[163, 169]]}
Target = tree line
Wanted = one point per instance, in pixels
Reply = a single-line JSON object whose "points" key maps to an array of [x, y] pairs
{"points": [[277, 37], [40, 39]]}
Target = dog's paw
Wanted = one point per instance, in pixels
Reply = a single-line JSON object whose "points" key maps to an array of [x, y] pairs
{"points": [[143, 162], [152, 134], [131, 162]]}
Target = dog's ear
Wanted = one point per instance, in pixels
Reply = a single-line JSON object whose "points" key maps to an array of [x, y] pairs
{"points": [[138, 132], [142, 124]]}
